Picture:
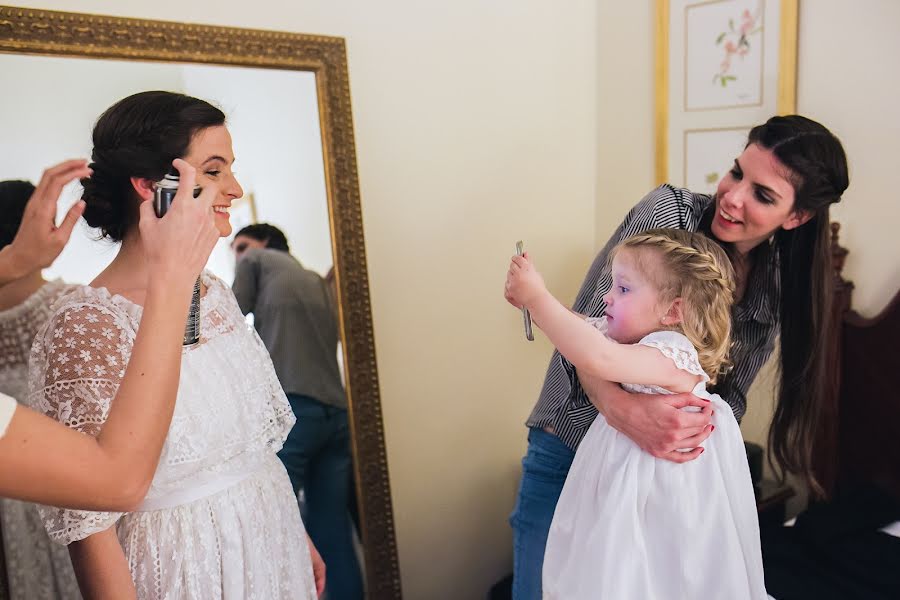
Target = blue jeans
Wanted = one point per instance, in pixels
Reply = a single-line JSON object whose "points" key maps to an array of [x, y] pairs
{"points": [[316, 455], [544, 471]]}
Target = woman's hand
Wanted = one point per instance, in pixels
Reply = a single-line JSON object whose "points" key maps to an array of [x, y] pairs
{"points": [[523, 282], [39, 241], [318, 566], [178, 245], [655, 422]]}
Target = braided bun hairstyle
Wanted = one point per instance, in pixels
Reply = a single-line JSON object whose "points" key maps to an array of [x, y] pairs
{"points": [[138, 136], [697, 270]]}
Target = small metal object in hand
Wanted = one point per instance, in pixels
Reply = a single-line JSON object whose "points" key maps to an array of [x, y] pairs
{"points": [[163, 194], [529, 334]]}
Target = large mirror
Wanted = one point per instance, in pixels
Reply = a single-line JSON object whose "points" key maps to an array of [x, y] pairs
{"points": [[287, 103]]}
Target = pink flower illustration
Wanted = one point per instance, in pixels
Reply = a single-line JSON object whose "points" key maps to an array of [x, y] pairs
{"points": [[735, 42]]}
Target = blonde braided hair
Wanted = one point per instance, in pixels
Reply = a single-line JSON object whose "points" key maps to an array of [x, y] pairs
{"points": [[697, 270]]}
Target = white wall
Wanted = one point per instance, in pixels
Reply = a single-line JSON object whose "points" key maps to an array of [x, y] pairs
{"points": [[476, 126]]}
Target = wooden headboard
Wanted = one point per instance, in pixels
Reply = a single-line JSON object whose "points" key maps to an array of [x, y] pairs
{"points": [[859, 440]]}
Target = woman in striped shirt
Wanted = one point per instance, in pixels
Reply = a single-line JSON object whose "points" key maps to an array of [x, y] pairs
{"points": [[770, 214]]}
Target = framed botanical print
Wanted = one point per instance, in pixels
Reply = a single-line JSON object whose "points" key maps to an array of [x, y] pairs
{"points": [[722, 67]]}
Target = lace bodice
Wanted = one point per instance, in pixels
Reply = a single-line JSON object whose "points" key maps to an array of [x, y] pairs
{"points": [[231, 412], [18, 326], [673, 345]]}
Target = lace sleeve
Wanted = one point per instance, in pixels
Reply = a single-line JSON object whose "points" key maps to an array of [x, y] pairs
{"points": [[677, 347], [77, 362]]}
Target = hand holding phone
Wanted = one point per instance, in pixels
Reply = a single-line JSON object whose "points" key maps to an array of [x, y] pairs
{"points": [[526, 316]]}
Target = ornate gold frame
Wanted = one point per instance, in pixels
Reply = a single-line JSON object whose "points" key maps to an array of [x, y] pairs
{"points": [[787, 76], [34, 31]]}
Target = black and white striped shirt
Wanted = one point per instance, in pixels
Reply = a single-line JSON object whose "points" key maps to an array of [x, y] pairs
{"points": [[563, 404]]}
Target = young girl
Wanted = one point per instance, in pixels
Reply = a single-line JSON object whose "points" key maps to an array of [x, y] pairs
{"points": [[629, 525], [220, 520]]}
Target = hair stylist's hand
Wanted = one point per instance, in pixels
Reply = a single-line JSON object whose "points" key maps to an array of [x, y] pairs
{"points": [[39, 241], [178, 245], [655, 422], [523, 282]]}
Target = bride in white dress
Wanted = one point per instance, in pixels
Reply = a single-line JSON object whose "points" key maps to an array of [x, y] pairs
{"points": [[220, 520], [630, 526]]}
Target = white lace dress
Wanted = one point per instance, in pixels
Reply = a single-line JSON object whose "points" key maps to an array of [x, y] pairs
{"points": [[633, 527], [220, 520], [36, 568]]}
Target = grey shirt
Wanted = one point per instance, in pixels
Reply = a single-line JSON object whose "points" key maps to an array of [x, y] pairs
{"points": [[294, 315]]}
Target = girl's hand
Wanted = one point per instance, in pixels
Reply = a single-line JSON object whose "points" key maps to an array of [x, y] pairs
{"points": [[523, 283], [39, 241], [178, 245]]}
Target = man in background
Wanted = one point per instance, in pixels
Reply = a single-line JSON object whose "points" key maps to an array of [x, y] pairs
{"points": [[294, 314]]}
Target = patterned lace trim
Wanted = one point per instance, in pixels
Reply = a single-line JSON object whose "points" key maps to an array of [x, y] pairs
{"points": [[684, 358]]}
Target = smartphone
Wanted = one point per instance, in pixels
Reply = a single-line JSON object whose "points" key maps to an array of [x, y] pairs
{"points": [[529, 333]]}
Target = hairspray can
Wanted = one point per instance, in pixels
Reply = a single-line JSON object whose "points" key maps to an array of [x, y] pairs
{"points": [[163, 193]]}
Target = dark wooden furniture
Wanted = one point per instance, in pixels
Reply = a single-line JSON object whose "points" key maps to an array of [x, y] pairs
{"points": [[771, 501], [859, 441]]}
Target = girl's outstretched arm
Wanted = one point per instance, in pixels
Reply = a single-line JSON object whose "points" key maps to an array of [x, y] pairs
{"points": [[583, 345]]}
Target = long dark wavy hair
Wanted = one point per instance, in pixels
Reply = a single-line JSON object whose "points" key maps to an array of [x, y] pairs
{"points": [[816, 166]]}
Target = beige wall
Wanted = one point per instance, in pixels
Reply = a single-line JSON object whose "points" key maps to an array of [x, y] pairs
{"points": [[476, 126], [625, 109]]}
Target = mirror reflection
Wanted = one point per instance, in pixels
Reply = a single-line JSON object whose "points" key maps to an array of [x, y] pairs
{"points": [[274, 258]]}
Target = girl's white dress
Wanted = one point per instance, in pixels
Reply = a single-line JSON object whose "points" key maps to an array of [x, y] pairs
{"points": [[631, 526], [36, 568], [220, 520]]}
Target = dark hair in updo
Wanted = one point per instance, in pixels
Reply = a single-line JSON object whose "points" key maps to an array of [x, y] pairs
{"points": [[14, 195], [138, 136]]}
